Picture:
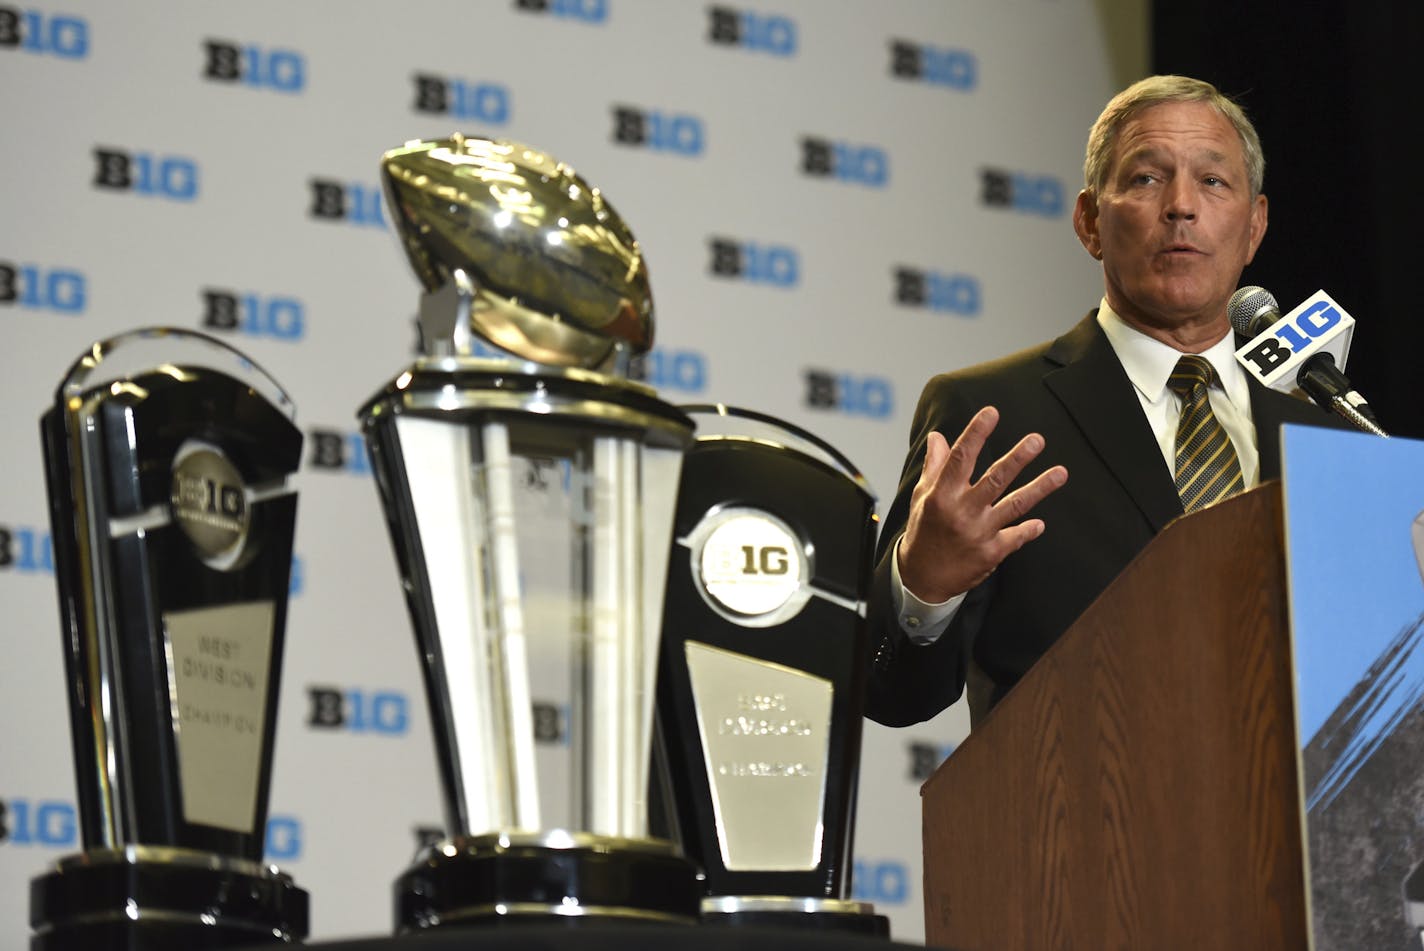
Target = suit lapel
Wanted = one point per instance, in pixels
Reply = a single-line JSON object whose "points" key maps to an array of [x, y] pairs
{"points": [[1269, 410], [1087, 378]]}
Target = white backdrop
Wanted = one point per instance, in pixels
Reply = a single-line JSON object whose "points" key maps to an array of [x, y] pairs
{"points": [[836, 200]]}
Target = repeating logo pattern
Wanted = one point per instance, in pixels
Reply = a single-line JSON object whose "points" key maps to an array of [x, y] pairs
{"points": [[820, 196], [61, 290]]}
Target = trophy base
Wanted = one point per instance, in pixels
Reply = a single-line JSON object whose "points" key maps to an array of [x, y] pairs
{"points": [[573, 878], [159, 899], [776, 911]]}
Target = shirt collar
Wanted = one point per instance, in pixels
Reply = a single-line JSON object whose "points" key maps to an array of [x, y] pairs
{"points": [[1149, 362]]}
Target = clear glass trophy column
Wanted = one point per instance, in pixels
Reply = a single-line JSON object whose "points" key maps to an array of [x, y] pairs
{"points": [[530, 502], [167, 457]]}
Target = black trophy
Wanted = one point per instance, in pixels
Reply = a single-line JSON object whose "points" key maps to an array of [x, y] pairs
{"points": [[761, 681], [167, 456], [530, 503]]}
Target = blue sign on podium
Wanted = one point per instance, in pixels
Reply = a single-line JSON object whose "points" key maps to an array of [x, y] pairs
{"points": [[1355, 560]]}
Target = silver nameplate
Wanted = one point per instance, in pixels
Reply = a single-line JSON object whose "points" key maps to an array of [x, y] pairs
{"points": [[220, 664], [766, 743]]}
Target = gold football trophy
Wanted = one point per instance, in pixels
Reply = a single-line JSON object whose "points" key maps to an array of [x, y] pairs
{"points": [[530, 502]]}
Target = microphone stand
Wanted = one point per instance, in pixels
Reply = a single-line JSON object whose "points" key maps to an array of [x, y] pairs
{"points": [[1328, 387]]}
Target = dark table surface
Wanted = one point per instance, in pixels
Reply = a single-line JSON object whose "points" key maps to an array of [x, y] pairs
{"points": [[623, 937]]}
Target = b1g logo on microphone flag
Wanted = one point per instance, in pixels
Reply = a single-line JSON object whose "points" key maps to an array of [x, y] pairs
{"points": [[1318, 325]]}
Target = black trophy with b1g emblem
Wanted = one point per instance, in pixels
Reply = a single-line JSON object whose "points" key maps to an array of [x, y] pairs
{"points": [[761, 681], [167, 458]]}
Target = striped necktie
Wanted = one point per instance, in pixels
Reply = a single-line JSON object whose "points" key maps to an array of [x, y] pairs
{"points": [[1207, 468]]}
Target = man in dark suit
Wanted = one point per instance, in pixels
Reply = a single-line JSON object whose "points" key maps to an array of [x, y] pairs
{"points": [[966, 591]]}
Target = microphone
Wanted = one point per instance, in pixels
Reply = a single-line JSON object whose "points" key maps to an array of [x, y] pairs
{"points": [[1306, 348]]}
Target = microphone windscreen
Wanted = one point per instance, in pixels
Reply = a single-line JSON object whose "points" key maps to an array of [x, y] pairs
{"points": [[1252, 310]]}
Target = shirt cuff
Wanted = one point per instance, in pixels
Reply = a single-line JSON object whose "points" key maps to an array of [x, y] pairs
{"points": [[921, 621]]}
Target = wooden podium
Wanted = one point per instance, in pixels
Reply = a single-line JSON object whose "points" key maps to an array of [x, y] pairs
{"points": [[1139, 787]]}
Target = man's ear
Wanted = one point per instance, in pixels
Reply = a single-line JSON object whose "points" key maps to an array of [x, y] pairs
{"points": [[1258, 225], [1085, 223]]}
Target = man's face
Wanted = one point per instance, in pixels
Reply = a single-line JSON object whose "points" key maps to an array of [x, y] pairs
{"points": [[1175, 222]]}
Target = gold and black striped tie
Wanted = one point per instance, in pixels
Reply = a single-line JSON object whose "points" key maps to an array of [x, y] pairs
{"points": [[1207, 468]]}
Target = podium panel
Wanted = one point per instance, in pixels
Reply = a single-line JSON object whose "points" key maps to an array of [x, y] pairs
{"points": [[1138, 788]]}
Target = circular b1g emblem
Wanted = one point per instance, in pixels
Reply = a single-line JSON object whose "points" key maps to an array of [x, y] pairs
{"points": [[750, 566], [210, 504]]}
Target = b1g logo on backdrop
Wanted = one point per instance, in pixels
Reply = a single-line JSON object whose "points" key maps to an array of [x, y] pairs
{"points": [[671, 369], [25, 550], [880, 881], [956, 69], [254, 315], [250, 65], [925, 758], [845, 161], [586, 11], [870, 396], [949, 293], [37, 287], [47, 823], [284, 838], [772, 264], [551, 723], [357, 710], [34, 31], [748, 29], [296, 581], [335, 451], [677, 133], [461, 99], [350, 202], [173, 177], [1034, 194]]}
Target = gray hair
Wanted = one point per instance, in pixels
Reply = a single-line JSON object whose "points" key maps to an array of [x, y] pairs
{"points": [[1154, 91]]}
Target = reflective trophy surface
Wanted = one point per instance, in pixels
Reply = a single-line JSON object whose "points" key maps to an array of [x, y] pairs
{"points": [[530, 503], [167, 457], [762, 681]]}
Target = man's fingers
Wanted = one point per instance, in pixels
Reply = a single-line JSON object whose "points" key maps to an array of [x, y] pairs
{"points": [[936, 453], [1006, 469], [965, 452], [1021, 501], [1014, 537]]}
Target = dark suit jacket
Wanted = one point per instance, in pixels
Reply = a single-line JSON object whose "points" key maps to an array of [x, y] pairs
{"points": [[1119, 494]]}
